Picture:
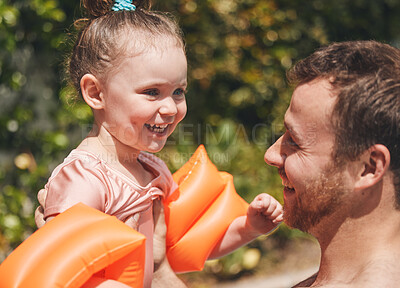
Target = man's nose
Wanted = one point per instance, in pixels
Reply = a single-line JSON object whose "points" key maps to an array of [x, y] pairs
{"points": [[274, 156]]}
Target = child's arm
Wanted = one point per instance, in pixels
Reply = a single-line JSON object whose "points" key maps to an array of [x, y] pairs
{"points": [[263, 215]]}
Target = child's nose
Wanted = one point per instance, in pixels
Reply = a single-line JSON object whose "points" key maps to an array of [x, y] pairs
{"points": [[168, 106], [273, 156]]}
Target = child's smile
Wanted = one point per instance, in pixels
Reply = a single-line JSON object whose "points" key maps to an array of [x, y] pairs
{"points": [[158, 129], [144, 99]]}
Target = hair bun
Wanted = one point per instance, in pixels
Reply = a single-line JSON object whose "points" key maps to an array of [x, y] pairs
{"points": [[98, 8], [145, 4]]}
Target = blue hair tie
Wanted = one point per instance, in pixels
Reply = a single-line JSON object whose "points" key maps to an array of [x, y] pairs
{"points": [[120, 5]]}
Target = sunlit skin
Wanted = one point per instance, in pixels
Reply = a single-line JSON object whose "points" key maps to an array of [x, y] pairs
{"points": [[347, 205], [144, 99], [137, 106], [146, 90], [303, 156], [135, 109]]}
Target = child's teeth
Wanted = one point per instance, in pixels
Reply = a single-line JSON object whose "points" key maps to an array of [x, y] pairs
{"points": [[157, 128]]}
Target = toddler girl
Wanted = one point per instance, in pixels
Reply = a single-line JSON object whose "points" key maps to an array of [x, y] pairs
{"points": [[129, 66]]}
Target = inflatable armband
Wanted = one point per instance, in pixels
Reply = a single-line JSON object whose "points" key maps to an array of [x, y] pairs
{"points": [[199, 212], [71, 248], [83, 242]]}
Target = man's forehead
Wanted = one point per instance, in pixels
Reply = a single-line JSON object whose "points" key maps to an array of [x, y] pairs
{"points": [[312, 95], [301, 130], [311, 105]]}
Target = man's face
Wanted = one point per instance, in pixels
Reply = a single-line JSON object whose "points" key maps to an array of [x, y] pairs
{"points": [[312, 181]]}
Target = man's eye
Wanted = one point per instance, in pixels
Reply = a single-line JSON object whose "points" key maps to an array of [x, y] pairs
{"points": [[289, 141], [152, 92]]}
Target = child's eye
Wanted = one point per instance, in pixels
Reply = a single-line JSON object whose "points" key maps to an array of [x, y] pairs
{"points": [[152, 92], [179, 92]]}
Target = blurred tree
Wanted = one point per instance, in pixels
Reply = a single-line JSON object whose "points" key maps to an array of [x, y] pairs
{"points": [[34, 132], [238, 53]]}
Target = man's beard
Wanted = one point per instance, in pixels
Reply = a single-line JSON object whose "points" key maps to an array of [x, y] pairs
{"points": [[322, 197]]}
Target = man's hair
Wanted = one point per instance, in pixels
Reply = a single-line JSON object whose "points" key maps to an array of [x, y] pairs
{"points": [[365, 76]]}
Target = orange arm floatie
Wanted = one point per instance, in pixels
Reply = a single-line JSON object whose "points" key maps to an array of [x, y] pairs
{"points": [[82, 242], [199, 212], [71, 248]]}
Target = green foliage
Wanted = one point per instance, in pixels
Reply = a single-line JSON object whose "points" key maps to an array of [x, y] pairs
{"points": [[32, 137], [238, 53]]}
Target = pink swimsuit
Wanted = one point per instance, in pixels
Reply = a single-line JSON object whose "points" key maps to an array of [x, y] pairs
{"points": [[85, 177]]}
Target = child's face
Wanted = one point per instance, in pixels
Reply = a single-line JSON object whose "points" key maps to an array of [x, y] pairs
{"points": [[145, 98]]}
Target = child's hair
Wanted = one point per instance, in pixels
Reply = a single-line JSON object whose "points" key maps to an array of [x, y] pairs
{"points": [[105, 35]]}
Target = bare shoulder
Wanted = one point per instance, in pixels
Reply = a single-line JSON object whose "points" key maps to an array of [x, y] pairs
{"points": [[308, 282], [381, 272]]}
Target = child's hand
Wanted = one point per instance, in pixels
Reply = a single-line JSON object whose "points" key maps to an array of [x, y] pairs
{"points": [[39, 213], [264, 214]]}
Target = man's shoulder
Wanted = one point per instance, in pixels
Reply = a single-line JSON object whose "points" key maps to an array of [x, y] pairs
{"points": [[306, 283]]}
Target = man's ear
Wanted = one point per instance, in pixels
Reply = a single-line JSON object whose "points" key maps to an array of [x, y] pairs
{"points": [[91, 91], [375, 161]]}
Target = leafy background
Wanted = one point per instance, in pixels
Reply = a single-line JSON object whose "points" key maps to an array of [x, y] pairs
{"points": [[238, 53]]}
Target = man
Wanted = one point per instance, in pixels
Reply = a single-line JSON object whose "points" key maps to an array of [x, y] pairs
{"points": [[339, 161]]}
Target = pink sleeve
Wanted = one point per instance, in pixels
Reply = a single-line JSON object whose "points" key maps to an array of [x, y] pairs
{"points": [[169, 184], [72, 184]]}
